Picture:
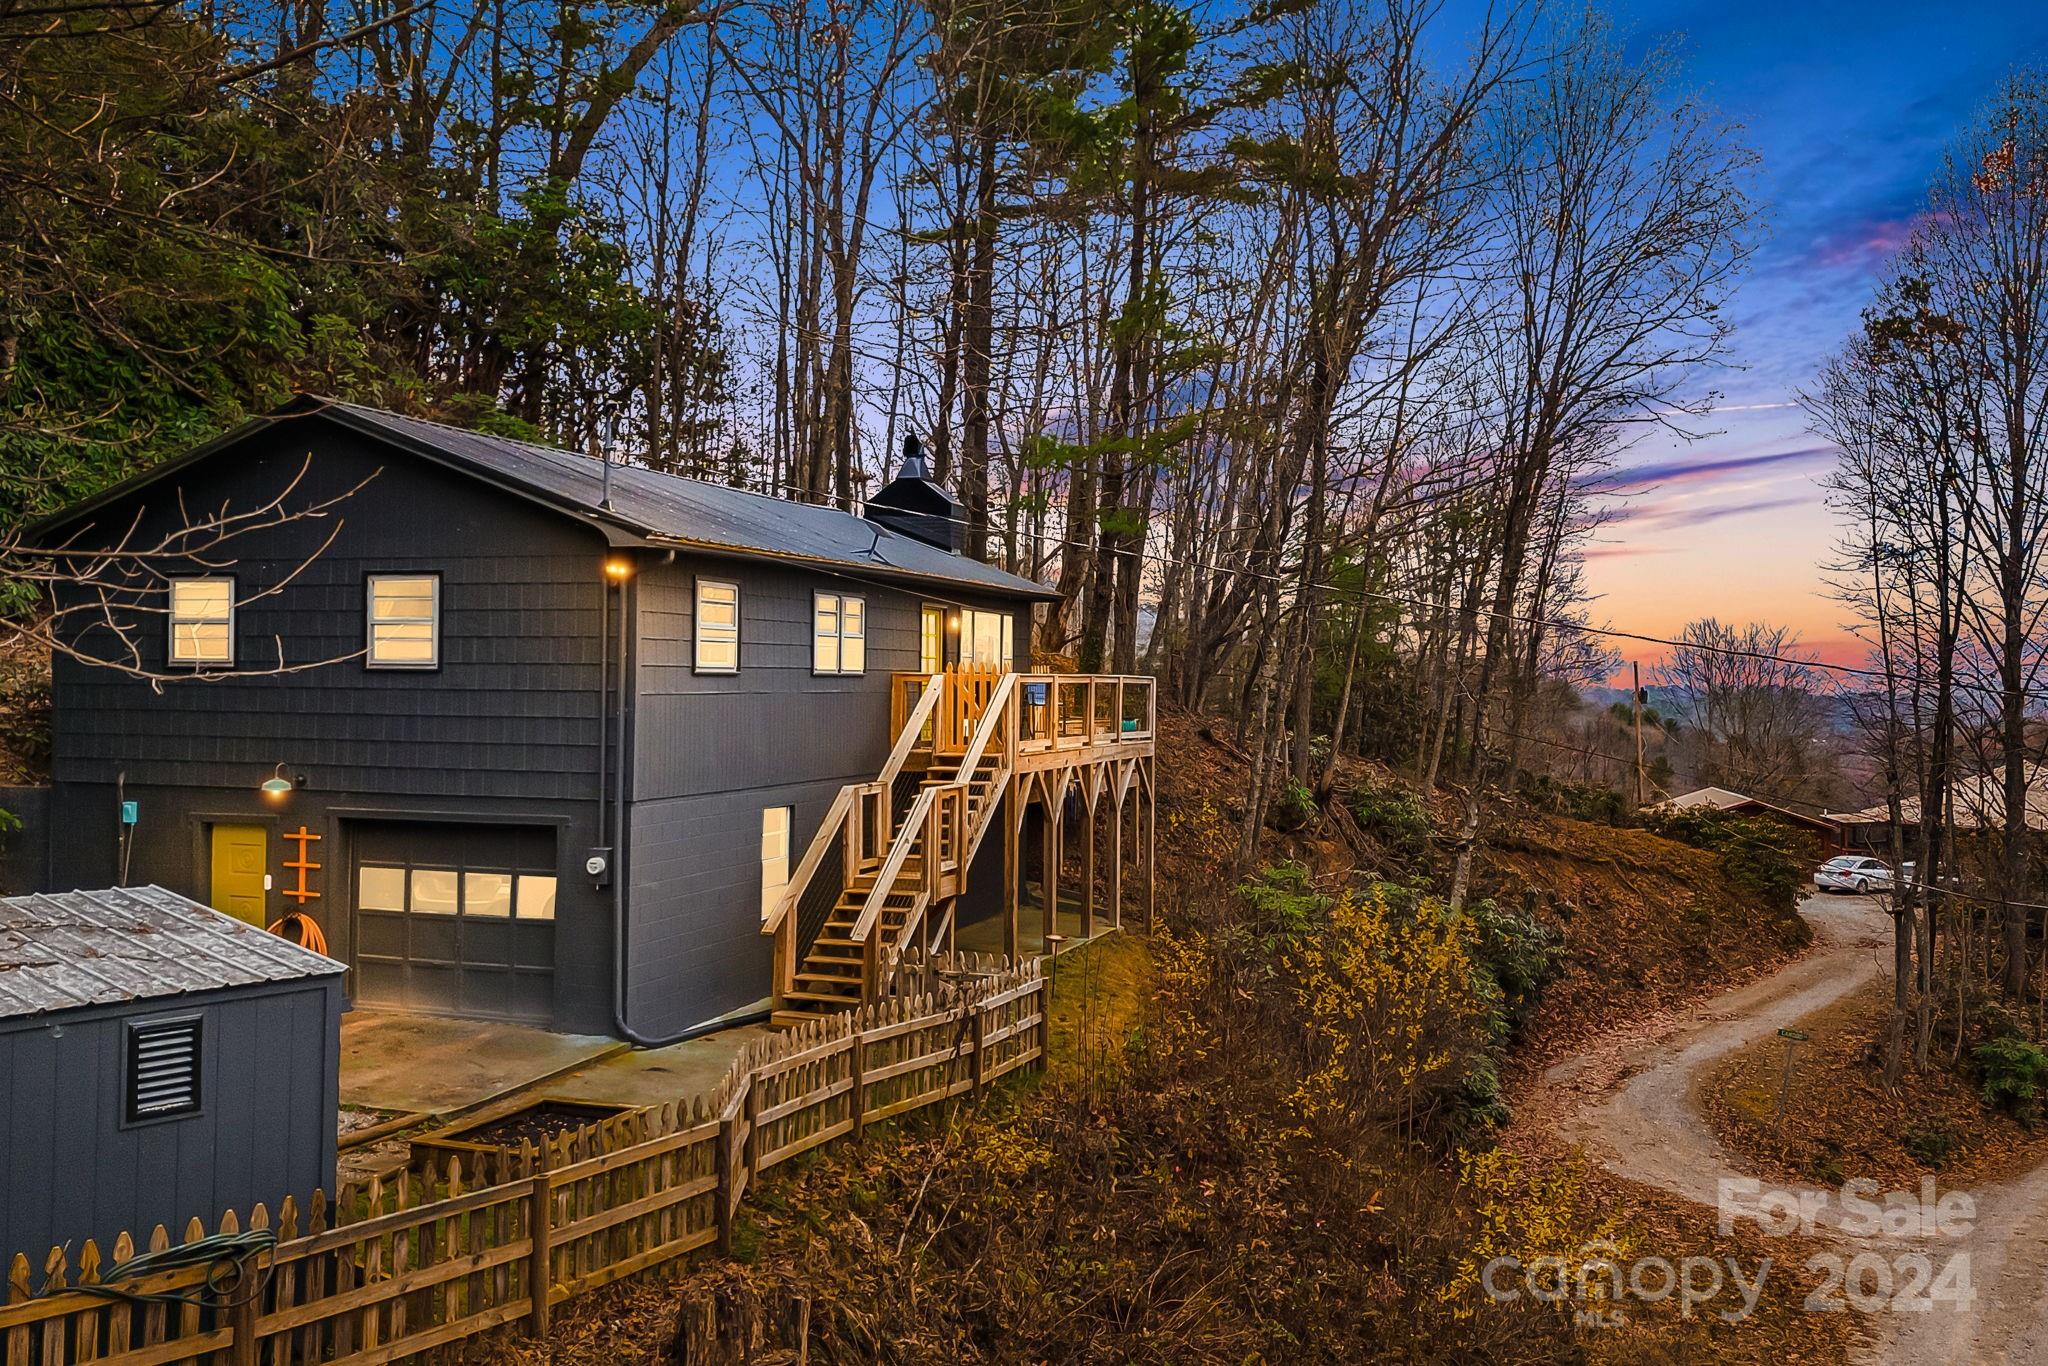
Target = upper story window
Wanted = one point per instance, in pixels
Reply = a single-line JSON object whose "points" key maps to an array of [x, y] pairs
{"points": [[839, 634], [986, 639], [718, 627], [203, 621], [405, 621]]}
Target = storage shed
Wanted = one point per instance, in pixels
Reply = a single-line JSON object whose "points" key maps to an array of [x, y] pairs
{"points": [[159, 1061]]}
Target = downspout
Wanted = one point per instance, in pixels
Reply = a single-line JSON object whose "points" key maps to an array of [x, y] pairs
{"points": [[620, 1026]]}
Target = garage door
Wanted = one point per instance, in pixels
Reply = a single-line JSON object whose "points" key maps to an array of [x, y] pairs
{"points": [[454, 919]]}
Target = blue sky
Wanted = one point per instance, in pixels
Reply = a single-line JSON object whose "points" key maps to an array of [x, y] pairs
{"points": [[1850, 106]]}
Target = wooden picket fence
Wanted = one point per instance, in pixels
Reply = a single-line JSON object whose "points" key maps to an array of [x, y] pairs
{"points": [[439, 1253]]}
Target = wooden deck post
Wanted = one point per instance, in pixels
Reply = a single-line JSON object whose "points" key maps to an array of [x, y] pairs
{"points": [[1116, 853], [1055, 818], [1149, 806], [1090, 801], [1013, 863]]}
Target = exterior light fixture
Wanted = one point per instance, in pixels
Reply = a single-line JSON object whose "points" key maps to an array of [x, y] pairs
{"points": [[277, 786], [617, 569]]}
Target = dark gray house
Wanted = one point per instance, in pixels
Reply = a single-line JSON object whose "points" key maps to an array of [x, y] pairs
{"points": [[526, 734], [159, 1062]]}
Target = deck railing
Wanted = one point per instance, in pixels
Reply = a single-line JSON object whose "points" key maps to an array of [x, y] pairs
{"points": [[960, 716]]}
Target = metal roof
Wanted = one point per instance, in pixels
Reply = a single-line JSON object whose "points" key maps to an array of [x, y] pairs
{"points": [[1976, 802], [63, 950], [693, 512]]}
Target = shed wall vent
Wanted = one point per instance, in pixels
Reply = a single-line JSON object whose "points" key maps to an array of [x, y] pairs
{"points": [[163, 1069]]}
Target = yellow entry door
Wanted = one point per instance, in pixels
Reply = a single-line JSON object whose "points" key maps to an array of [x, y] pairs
{"points": [[241, 859]]}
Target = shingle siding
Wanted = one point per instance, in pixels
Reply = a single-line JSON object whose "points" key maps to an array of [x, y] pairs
{"points": [[512, 710]]}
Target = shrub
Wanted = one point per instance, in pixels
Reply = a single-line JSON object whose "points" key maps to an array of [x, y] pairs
{"points": [[1396, 1011], [1294, 808], [1760, 855], [1395, 819], [2014, 1071], [1930, 1145], [1518, 953], [1580, 801]]}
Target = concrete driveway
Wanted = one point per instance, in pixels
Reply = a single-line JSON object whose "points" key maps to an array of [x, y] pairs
{"points": [[414, 1064]]}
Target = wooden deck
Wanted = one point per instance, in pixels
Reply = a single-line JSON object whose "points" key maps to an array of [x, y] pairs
{"points": [[974, 750]]}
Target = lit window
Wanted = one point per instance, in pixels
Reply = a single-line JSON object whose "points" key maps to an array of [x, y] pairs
{"points": [[839, 634], [536, 897], [487, 894], [985, 639], [434, 891], [380, 889], [931, 639], [775, 823], [203, 621], [718, 627], [404, 625]]}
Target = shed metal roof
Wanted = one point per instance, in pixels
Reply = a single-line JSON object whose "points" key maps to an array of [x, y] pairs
{"points": [[63, 950]]}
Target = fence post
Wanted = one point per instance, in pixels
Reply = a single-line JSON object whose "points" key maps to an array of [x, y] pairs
{"points": [[978, 1028], [242, 1315], [753, 1112], [860, 1080], [725, 1189], [540, 1222]]}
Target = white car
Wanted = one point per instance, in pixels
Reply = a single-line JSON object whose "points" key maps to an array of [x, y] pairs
{"points": [[1856, 873]]}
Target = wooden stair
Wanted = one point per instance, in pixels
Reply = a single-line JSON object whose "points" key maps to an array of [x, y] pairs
{"points": [[829, 979]]}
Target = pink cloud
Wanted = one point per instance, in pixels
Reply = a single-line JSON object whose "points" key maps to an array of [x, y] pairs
{"points": [[1864, 246]]}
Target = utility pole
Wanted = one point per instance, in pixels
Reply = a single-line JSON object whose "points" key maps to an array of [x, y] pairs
{"points": [[1636, 700]]}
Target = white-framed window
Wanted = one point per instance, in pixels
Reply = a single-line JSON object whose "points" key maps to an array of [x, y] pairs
{"points": [[405, 621], [718, 627], [775, 833], [839, 634], [986, 639], [203, 621]]}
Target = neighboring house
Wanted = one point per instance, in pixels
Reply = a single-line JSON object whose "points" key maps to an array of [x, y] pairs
{"points": [[1977, 802], [159, 1062], [528, 735], [1740, 804]]}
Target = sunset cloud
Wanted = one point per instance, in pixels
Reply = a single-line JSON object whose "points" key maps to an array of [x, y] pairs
{"points": [[1669, 516], [1705, 471], [1625, 552]]}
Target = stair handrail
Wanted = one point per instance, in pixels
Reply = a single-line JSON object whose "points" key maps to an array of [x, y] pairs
{"points": [[993, 716], [899, 850], [842, 805]]}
